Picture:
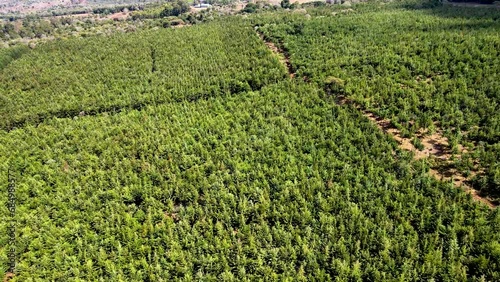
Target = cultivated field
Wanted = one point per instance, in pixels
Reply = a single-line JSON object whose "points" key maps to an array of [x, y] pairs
{"points": [[320, 144]]}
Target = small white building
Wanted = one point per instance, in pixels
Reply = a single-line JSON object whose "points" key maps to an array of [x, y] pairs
{"points": [[202, 5]]}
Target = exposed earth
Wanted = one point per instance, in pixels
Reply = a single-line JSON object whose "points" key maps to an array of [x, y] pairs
{"points": [[435, 145]]}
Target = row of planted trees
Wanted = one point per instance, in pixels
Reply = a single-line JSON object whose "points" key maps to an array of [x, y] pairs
{"points": [[417, 68], [228, 170], [278, 183], [99, 74]]}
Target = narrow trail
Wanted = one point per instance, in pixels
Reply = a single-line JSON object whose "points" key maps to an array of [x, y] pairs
{"points": [[435, 146], [282, 56]]}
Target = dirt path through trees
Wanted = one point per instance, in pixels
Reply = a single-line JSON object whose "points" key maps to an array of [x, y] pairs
{"points": [[435, 145], [282, 56]]}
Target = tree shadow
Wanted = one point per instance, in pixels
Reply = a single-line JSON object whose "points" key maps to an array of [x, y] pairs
{"points": [[472, 11], [489, 14]]}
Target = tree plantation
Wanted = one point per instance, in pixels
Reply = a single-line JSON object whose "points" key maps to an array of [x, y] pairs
{"points": [[417, 68], [191, 154], [106, 73]]}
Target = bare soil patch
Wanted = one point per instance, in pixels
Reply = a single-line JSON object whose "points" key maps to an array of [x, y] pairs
{"points": [[118, 16], [8, 276]]}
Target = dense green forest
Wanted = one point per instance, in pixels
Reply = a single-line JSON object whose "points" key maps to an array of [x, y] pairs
{"points": [[71, 76], [190, 154], [8, 55], [280, 182], [422, 68]]}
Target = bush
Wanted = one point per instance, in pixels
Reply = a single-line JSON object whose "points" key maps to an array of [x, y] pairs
{"points": [[175, 9], [250, 8], [417, 143], [334, 85]]}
